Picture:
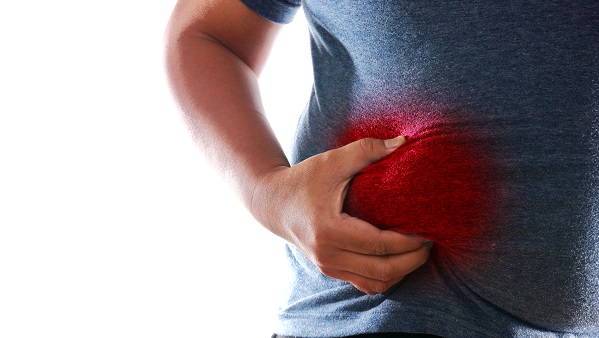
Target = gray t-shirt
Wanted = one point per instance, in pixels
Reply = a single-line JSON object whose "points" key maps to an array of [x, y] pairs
{"points": [[500, 103]]}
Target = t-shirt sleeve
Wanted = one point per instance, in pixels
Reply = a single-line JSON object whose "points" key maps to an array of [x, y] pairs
{"points": [[279, 11]]}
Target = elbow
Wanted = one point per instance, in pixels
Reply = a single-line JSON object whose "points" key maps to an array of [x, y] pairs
{"points": [[171, 48], [177, 48]]}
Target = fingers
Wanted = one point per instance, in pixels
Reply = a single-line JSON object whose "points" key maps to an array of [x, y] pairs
{"points": [[371, 259], [362, 237], [376, 274], [355, 156], [367, 285]]}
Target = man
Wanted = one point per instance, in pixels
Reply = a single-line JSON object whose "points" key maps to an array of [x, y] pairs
{"points": [[499, 104]]}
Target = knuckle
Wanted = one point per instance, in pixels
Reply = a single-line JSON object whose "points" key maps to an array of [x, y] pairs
{"points": [[368, 270], [321, 260], [379, 248], [367, 145], [326, 156], [327, 272], [329, 159], [386, 286], [321, 238], [324, 261], [386, 274], [380, 286], [380, 273]]}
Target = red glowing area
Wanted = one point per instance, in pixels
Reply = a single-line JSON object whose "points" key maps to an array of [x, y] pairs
{"points": [[437, 185]]}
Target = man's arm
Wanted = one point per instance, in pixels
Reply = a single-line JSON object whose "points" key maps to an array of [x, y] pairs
{"points": [[214, 52]]}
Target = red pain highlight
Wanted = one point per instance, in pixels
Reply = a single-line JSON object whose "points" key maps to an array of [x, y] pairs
{"points": [[437, 185]]}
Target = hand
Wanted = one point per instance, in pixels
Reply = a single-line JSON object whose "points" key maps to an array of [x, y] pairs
{"points": [[303, 204]]}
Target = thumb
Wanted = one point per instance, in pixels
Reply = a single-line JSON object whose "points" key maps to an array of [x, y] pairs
{"points": [[359, 154]]}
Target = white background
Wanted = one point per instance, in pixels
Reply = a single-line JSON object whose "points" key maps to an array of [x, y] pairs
{"points": [[111, 223]]}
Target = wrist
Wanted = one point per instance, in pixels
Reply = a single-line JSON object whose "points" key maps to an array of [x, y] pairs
{"points": [[265, 195]]}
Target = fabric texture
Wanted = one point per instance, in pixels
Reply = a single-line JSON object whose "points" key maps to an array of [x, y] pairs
{"points": [[500, 103], [377, 335]]}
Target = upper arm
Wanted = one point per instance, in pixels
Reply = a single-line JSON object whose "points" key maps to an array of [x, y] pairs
{"points": [[227, 22]]}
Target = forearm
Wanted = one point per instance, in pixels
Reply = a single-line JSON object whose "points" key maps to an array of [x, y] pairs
{"points": [[218, 94]]}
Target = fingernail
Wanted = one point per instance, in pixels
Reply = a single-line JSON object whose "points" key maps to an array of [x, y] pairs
{"points": [[393, 143], [428, 243]]}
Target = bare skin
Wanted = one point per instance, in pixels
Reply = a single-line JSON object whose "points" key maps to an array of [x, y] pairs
{"points": [[215, 51]]}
